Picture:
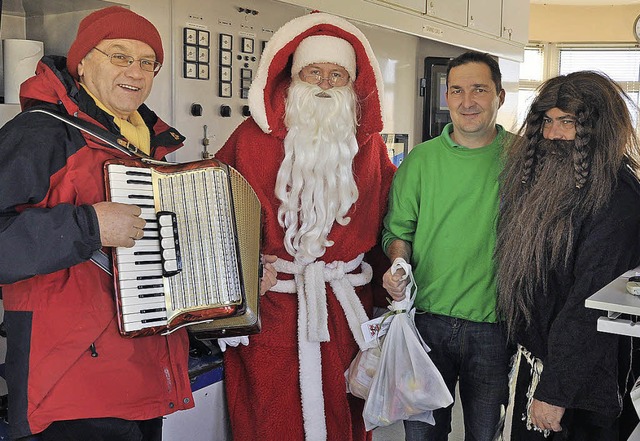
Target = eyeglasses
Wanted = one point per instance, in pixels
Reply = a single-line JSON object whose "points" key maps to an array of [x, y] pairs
{"points": [[123, 60], [335, 78]]}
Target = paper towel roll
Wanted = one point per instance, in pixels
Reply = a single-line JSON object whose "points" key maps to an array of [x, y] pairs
{"points": [[20, 58]]}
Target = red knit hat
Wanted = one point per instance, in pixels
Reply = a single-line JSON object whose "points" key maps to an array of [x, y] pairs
{"points": [[111, 23]]}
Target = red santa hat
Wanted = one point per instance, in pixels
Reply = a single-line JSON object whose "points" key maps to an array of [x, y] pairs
{"points": [[324, 49], [273, 76]]}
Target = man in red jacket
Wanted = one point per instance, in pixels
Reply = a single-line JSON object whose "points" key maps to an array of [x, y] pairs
{"points": [[313, 153], [70, 375]]}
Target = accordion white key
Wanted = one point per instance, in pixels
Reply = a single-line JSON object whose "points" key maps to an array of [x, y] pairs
{"points": [[198, 263]]}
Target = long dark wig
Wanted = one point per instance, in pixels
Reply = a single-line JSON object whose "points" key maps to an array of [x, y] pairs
{"points": [[548, 187]]}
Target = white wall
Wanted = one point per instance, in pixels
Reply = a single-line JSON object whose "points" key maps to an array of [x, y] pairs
{"points": [[583, 24], [159, 12], [396, 54]]}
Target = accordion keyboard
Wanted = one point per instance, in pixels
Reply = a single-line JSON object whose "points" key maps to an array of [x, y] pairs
{"points": [[151, 291], [140, 267]]}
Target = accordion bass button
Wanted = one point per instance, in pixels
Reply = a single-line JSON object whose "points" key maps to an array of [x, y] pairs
{"points": [[165, 220], [170, 266], [166, 231], [167, 243], [169, 254]]}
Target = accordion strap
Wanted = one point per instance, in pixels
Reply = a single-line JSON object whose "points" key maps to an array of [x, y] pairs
{"points": [[119, 143]]}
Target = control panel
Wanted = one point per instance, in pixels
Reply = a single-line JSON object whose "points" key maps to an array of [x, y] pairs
{"points": [[217, 51]]}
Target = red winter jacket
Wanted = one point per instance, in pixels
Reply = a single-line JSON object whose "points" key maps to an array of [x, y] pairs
{"points": [[65, 357]]}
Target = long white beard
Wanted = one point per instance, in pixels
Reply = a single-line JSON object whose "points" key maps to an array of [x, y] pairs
{"points": [[315, 182]]}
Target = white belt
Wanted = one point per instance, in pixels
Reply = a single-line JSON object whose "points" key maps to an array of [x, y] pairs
{"points": [[310, 285], [535, 365]]}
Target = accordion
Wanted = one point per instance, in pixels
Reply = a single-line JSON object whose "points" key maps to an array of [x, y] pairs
{"points": [[198, 263]]}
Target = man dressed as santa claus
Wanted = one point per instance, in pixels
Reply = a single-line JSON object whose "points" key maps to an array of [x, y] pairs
{"points": [[313, 153]]}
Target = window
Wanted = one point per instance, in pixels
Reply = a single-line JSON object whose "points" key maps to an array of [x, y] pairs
{"points": [[621, 64], [525, 97], [543, 61], [531, 75], [532, 67]]}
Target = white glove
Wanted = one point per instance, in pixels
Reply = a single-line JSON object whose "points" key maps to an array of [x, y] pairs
{"points": [[232, 341]]}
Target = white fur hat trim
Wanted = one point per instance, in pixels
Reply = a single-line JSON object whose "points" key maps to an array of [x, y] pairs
{"points": [[324, 49]]}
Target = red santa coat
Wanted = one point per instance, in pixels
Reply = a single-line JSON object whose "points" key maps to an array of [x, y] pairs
{"points": [[263, 379]]}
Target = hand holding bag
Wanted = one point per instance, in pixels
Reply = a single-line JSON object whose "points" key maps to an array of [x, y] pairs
{"points": [[406, 385]]}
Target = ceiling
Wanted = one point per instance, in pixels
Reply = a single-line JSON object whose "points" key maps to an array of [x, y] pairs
{"points": [[586, 2]]}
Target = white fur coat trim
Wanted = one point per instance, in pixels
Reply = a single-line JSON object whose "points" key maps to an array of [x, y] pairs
{"points": [[316, 275], [284, 35], [309, 284]]}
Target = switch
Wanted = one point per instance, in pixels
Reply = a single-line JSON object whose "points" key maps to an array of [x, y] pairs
{"points": [[196, 109], [225, 111], [205, 142], [246, 111]]}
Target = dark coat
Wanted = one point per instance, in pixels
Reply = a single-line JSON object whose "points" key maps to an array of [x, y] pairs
{"points": [[580, 363]]}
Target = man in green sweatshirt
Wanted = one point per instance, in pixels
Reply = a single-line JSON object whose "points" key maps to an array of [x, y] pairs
{"points": [[442, 215]]}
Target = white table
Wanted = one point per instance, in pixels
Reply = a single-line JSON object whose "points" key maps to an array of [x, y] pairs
{"points": [[615, 299], [635, 436]]}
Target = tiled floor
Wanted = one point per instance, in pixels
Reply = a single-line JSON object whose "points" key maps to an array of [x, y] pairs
{"points": [[395, 432]]}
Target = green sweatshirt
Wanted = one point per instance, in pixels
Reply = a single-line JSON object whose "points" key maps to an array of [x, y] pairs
{"points": [[444, 203]]}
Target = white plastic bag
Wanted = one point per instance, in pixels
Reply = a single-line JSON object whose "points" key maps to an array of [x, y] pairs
{"points": [[361, 371], [363, 367], [406, 385], [635, 396]]}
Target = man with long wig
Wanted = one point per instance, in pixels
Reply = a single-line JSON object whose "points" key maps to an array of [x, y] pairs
{"points": [[569, 224]]}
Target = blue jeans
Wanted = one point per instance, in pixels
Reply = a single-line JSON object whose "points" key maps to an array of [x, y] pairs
{"points": [[476, 355]]}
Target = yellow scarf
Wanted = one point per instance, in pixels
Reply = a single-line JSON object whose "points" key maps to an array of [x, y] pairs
{"points": [[135, 130]]}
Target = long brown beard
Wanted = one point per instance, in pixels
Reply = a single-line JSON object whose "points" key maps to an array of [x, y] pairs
{"points": [[538, 224]]}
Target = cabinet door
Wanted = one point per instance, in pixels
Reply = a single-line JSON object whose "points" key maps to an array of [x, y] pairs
{"points": [[414, 5], [515, 20], [486, 16], [454, 11]]}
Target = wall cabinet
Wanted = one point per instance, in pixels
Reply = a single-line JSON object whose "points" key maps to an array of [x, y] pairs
{"points": [[485, 16], [515, 20], [415, 5], [471, 24], [507, 19], [454, 11]]}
